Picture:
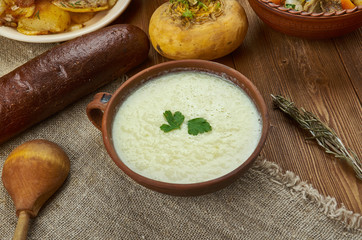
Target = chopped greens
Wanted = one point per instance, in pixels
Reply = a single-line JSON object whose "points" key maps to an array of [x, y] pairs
{"points": [[196, 11], [290, 6], [37, 15], [187, 14], [201, 4]]}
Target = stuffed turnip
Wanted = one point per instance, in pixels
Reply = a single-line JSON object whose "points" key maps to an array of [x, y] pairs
{"points": [[198, 29]]}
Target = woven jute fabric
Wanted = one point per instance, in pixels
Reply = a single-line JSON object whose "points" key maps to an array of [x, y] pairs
{"points": [[98, 201]]}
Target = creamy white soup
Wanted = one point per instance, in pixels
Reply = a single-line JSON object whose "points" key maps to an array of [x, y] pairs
{"points": [[177, 156]]}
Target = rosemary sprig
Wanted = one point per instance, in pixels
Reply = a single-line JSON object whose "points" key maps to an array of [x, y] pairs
{"points": [[324, 135]]}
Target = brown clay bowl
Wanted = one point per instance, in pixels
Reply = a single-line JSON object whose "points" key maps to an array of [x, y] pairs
{"points": [[307, 25], [101, 112]]}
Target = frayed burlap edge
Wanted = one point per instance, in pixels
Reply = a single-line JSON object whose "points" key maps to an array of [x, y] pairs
{"points": [[327, 205]]}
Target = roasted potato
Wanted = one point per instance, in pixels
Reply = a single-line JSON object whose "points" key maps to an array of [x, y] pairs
{"points": [[47, 19], [50, 16], [82, 6], [10, 12], [80, 18], [3, 7], [111, 3]]}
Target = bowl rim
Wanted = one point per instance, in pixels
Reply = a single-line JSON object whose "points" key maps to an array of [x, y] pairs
{"points": [[307, 15], [185, 189], [104, 18]]}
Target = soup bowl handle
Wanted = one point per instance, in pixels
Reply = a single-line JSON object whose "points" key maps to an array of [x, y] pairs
{"points": [[96, 108]]}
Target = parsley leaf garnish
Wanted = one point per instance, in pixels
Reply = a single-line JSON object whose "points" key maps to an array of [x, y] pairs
{"points": [[174, 121], [198, 125], [195, 126]]}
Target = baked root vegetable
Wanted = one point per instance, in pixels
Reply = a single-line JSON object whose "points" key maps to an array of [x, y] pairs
{"points": [[80, 18], [65, 73], [84, 6], [41, 17], [47, 18], [9, 9], [198, 29], [31, 174]]}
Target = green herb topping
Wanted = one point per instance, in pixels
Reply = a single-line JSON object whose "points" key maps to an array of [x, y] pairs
{"points": [[174, 121], [196, 11], [187, 14], [198, 125], [290, 6], [37, 15], [195, 126]]}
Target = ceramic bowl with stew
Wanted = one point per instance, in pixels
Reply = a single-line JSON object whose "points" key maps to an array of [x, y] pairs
{"points": [[305, 24], [225, 109]]}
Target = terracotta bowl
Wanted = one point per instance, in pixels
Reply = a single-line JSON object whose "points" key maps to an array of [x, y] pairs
{"points": [[101, 112], [307, 25]]}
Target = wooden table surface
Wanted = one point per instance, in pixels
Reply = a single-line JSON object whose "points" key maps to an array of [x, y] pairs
{"points": [[323, 76]]}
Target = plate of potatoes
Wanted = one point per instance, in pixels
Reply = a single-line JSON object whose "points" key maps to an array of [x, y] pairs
{"points": [[44, 21]]}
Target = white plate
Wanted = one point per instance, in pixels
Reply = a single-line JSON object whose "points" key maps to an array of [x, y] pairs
{"points": [[99, 20]]}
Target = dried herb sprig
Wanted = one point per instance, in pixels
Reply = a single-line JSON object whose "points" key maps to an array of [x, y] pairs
{"points": [[324, 135]]}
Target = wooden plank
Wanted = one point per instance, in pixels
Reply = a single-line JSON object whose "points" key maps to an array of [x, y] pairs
{"points": [[312, 73], [350, 51]]}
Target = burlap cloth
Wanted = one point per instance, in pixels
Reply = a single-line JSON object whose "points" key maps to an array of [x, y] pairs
{"points": [[98, 201]]}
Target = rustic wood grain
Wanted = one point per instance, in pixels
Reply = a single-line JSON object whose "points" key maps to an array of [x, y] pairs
{"points": [[350, 51], [323, 76]]}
